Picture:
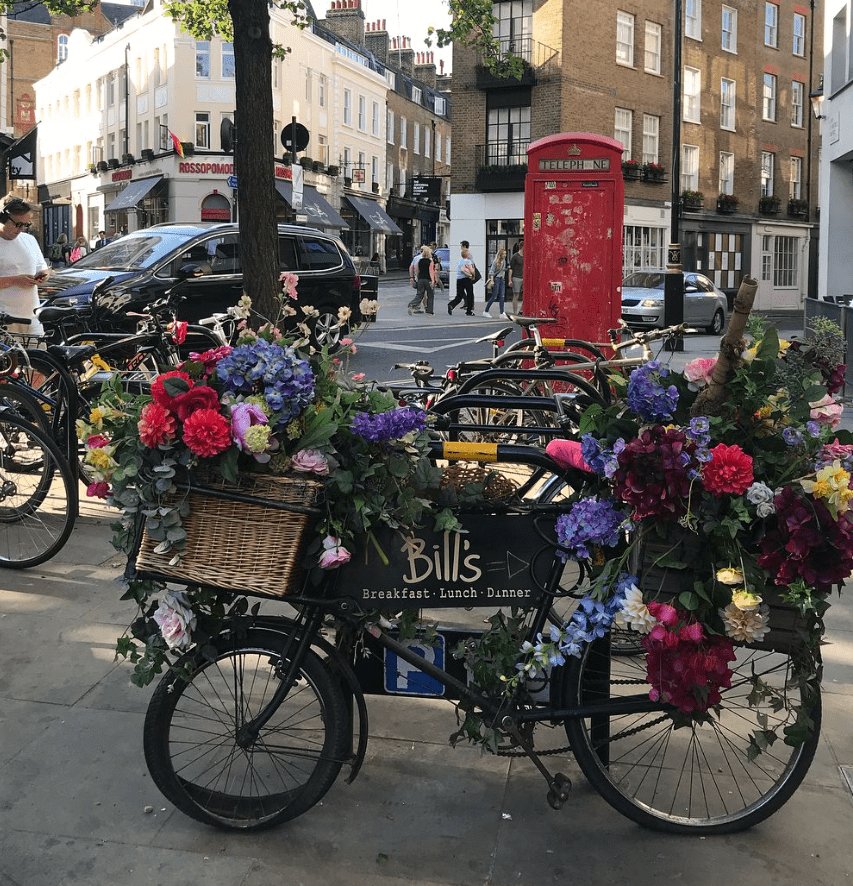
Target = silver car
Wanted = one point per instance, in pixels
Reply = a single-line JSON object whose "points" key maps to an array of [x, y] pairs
{"points": [[705, 306]]}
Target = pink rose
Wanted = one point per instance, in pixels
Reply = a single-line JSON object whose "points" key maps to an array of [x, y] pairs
{"points": [[199, 397], [176, 620], [310, 461], [97, 441], [698, 372], [826, 411], [333, 553], [358, 376]]}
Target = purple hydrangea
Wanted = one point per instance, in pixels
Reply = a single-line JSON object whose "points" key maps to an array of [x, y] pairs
{"points": [[792, 436], [647, 396], [388, 425], [589, 522], [602, 460]]}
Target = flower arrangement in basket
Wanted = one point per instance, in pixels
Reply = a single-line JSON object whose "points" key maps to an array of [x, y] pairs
{"points": [[732, 484], [244, 471]]}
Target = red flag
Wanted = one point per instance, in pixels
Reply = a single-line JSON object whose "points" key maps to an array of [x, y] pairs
{"points": [[179, 148]]}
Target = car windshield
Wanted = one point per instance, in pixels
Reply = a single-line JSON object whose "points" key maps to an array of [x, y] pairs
{"points": [[443, 255], [131, 252], [644, 280]]}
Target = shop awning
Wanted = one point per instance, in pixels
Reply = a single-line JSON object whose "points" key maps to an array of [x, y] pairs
{"points": [[133, 193], [321, 213], [373, 214]]}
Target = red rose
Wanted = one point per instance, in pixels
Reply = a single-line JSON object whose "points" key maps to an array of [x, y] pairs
{"points": [[164, 391], [207, 433], [156, 425], [198, 397], [730, 470]]}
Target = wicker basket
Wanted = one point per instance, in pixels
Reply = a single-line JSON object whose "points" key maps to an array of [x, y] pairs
{"points": [[246, 538]]}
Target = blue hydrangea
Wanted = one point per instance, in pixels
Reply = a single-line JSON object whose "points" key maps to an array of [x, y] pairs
{"points": [[792, 436], [602, 460], [647, 397], [589, 522], [388, 425]]}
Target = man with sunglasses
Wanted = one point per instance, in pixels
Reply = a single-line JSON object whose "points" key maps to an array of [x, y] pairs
{"points": [[22, 266]]}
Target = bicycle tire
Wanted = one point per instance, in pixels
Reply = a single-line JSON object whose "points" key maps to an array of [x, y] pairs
{"points": [[191, 727], [689, 778], [18, 397], [38, 494]]}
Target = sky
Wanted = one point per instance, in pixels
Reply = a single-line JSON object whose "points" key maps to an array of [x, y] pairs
{"points": [[408, 18]]}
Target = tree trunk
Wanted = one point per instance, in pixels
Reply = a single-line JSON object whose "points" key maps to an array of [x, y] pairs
{"points": [[253, 154]]}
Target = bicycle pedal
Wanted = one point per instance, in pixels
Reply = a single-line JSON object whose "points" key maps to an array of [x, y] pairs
{"points": [[559, 790]]}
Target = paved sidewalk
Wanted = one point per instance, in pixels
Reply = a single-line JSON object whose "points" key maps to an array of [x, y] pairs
{"points": [[74, 789]]}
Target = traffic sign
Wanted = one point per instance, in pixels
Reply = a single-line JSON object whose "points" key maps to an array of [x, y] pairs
{"points": [[295, 137], [232, 181], [401, 678]]}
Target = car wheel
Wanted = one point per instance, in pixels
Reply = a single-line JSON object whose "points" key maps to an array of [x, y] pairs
{"points": [[327, 331], [716, 326]]}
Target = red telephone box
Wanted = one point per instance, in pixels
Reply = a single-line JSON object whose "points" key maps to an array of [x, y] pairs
{"points": [[573, 206]]}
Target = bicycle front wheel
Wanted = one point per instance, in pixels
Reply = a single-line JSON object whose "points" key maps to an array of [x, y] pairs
{"points": [[677, 776], [38, 496], [200, 758]]}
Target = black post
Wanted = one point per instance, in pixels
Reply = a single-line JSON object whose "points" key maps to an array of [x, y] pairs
{"points": [[673, 294]]}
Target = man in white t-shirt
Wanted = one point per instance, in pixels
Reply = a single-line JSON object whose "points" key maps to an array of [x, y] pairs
{"points": [[22, 266]]}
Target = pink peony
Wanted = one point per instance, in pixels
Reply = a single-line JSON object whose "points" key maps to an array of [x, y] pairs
{"points": [[333, 553], [207, 433], [310, 461], [826, 411], [198, 397], [97, 441], [101, 489], [730, 470], [156, 425], [698, 372], [243, 417]]}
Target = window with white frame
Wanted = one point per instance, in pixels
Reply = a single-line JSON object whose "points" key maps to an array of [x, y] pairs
{"points": [[623, 124], [727, 104], [727, 172], [111, 91], [362, 162], [795, 191], [440, 106], [438, 146], [692, 87], [389, 175], [202, 58], [427, 142], [309, 86], [276, 72], [61, 48], [785, 260], [693, 19], [654, 41], [798, 43], [389, 127], [797, 95], [404, 133], [624, 38], [374, 119], [416, 138], [374, 170], [766, 258], [447, 151], [362, 113], [689, 167], [768, 111], [347, 107], [417, 94], [321, 91], [771, 25], [651, 138], [321, 152], [202, 129], [729, 29], [227, 60], [643, 247], [767, 169]]}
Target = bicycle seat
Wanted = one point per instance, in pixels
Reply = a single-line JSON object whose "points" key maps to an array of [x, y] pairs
{"points": [[58, 314], [496, 336], [527, 322], [69, 355]]}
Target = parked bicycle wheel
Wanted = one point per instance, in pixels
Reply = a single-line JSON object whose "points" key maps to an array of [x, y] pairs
{"points": [[201, 756], [38, 495], [677, 776]]}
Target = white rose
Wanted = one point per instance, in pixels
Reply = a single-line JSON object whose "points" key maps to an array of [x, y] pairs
{"points": [[176, 620]]}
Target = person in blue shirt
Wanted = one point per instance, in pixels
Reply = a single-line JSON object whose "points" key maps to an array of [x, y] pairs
{"points": [[464, 284]]}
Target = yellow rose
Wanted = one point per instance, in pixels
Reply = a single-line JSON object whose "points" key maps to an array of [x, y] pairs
{"points": [[746, 601], [730, 576]]}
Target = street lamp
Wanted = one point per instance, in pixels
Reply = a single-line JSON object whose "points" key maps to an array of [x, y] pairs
{"points": [[816, 98]]}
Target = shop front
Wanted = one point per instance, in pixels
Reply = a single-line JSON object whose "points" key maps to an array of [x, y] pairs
{"points": [[369, 227]]}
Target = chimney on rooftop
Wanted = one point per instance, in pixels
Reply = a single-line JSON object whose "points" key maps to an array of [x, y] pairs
{"points": [[346, 19], [376, 40]]}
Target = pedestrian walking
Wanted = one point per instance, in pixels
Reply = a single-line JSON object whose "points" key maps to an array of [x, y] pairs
{"points": [[22, 266], [78, 250], [102, 239], [516, 275], [465, 272], [59, 251], [496, 283], [422, 274]]}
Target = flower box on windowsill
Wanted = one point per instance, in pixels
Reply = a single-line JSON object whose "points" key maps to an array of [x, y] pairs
{"points": [[768, 205], [654, 172], [798, 208], [727, 204], [692, 201], [632, 171]]}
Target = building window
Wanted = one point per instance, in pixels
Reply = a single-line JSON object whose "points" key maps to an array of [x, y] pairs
{"points": [[374, 170], [321, 91], [202, 129], [692, 85], [389, 175], [766, 258], [427, 142], [643, 248], [362, 113], [771, 25], [514, 26], [507, 136], [389, 127], [61, 48], [727, 104], [689, 168], [404, 133], [447, 141], [729, 34], [276, 68], [309, 86], [653, 47], [440, 106], [796, 103], [767, 165], [727, 172], [693, 19], [795, 191], [623, 125], [321, 152], [769, 105], [347, 107], [624, 38], [202, 58], [227, 60], [651, 138], [798, 46], [785, 262], [374, 119], [417, 95], [438, 146], [416, 138]]}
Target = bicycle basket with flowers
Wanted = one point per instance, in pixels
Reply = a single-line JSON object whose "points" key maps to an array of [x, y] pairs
{"points": [[224, 468]]}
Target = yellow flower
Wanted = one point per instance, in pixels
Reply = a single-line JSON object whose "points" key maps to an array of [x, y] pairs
{"points": [[746, 601], [730, 576], [832, 484], [96, 417], [101, 458]]}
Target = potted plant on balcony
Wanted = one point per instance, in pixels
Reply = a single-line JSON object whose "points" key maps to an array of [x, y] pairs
{"points": [[727, 204], [287, 158], [798, 208], [631, 170], [768, 204], [692, 200], [333, 170], [306, 162], [654, 172]]}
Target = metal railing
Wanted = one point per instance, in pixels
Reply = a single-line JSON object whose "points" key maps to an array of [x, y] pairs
{"points": [[509, 153]]}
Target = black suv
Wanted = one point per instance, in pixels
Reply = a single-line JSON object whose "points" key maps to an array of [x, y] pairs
{"points": [[203, 263]]}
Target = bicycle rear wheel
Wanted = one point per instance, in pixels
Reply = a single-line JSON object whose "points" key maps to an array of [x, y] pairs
{"points": [[677, 776], [38, 496], [192, 735]]}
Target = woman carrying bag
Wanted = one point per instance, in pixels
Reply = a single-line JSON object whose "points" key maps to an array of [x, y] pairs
{"points": [[465, 277], [497, 281]]}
